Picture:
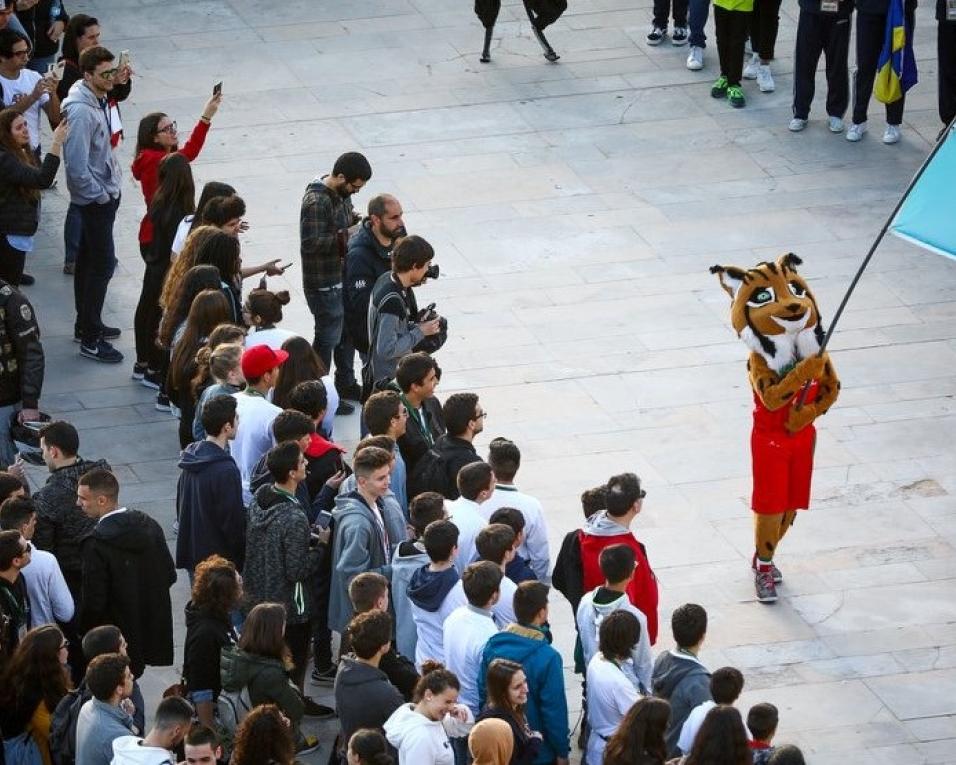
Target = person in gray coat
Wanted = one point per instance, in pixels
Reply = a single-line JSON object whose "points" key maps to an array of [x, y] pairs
{"points": [[679, 676]]}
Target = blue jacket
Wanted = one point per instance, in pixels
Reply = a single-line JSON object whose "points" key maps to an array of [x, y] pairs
{"points": [[212, 517], [519, 570], [547, 707], [365, 261]]}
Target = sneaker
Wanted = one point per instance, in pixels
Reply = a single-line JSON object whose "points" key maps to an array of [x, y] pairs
{"points": [[835, 124], [162, 403], [679, 37], [766, 590], [324, 676], [719, 88], [307, 745], [139, 371], [891, 134], [352, 391], [855, 133], [344, 408], [735, 95], [106, 333], [796, 125], [774, 571], [101, 351], [695, 59], [152, 379], [69, 268], [314, 709], [656, 35], [26, 280], [765, 79], [752, 67]]}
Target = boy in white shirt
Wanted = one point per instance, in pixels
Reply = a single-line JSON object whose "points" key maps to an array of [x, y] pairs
{"points": [[495, 543], [476, 482], [726, 685]]}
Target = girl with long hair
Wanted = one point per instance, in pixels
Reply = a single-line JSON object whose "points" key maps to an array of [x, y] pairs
{"points": [[506, 686], [225, 213], [261, 663], [224, 367], [177, 271], [222, 251], [32, 684], [721, 740], [223, 334], [639, 739], [211, 190], [174, 194], [420, 731], [368, 747], [302, 365], [216, 590], [264, 738], [21, 178], [209, 309]]}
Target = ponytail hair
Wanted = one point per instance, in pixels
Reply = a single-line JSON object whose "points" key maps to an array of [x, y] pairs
{"points": [[370, 747], [435, 678], [267, 305]]}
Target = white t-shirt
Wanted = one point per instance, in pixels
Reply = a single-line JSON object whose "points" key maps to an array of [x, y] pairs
{"points": [[692, 724], [274, 337], [535, 546], [253, 436], [610, 696], [503, 611], [182, 231], [464, 514], [22, 87], [466, 631]]}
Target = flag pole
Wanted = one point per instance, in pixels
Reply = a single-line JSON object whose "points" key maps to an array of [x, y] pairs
{"points": [[947, 131]]}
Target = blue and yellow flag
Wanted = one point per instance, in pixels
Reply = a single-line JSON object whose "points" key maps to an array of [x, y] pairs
{"points": [[896, 68]]}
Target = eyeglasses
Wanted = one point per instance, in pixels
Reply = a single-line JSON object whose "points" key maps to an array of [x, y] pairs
{"points": [[642, 494], [109, 74], [64, 644], [481, 414], [170, 128]]}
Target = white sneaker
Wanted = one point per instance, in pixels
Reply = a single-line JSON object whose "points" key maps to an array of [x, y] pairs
{"points": [[656, 35], [797, 124], [765, 79], [751, 67], [891, 134], [695, 59], [835, 124], [855, 133]]}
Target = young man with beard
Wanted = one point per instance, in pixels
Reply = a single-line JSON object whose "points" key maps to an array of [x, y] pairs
{"points": [[324, 221]]}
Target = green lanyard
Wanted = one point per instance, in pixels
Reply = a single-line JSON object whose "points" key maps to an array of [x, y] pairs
{"points": [[419, 418]]}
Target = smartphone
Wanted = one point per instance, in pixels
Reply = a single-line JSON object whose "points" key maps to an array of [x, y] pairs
{"points": [[123, 59], [287, 265], [56, 70], [323, 520], [217, 89]]}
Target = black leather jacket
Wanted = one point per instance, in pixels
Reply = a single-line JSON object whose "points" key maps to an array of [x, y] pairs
{"points": [[21, 353]]}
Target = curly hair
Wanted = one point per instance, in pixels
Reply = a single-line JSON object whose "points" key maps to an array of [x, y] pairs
{"points": [[264, 737], [216, 588], [34, 672], [721, 740], [640, 732], [172, 285]]}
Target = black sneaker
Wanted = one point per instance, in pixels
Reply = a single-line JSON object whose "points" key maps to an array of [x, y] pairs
{"points": [[106, 333], [102, 351], [352, 391], [69, 268], [314, 709], [162, 402], [27, 281], [344, 408], [656, 35], [324, 676], [151, 379], [139, 371]]}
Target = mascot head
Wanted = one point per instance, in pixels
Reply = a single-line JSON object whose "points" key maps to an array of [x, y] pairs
{"points": [[772, 310]]}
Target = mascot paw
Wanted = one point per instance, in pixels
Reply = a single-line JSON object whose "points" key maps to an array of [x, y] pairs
{"points": [[798, 419], [812, 368]]}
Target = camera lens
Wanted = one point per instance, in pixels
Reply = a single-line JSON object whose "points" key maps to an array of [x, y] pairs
{"points": [[432, 272]]}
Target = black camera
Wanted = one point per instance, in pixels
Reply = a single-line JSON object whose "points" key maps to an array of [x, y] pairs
{"points": [[432, 343], [432, 272]]}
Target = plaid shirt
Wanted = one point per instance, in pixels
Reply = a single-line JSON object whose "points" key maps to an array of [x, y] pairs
{"points": [[323, 215]]}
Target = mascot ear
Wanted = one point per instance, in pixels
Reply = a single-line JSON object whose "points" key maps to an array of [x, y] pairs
{"points": [[789, 262], [731, 278]]}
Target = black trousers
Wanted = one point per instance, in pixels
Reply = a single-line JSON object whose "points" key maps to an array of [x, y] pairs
{"points": [[732, 28], [148, 313], [870, 33], [11, 262], [297, 638], [946, 56], [829, 34], [664, 7], [94, 267], [764, 24]]}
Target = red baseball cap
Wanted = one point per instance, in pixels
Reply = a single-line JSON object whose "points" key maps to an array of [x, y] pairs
{"points": [[259, 359]]}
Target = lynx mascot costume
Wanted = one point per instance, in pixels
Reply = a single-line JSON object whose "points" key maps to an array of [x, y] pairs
{"points": [[776, 315]]}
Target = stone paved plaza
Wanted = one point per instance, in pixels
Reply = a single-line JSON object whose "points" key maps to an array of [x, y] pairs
{"points": [[575, 209]]}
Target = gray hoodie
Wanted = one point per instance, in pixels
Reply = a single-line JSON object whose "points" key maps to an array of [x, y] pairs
{"points": [[404, 567], [92, 172], [683, 681]]}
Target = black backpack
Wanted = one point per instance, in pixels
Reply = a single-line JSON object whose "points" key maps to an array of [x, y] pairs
{"points": [[429, 474], [63, 726]]}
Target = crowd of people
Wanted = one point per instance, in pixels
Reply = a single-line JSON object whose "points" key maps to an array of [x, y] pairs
{"points": [[412, 576]]}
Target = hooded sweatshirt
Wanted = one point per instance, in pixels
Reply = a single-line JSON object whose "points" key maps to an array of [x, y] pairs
{"points": [[422, 741], [130, 750], [212, 518], [428, 593], [682, 680], [592, 610], [547, 707], [491, 742], [409, 557], [207, 634], [364, 698], [266, 679], [92, 172], [61, 525], [278, 555], [602, 530]]}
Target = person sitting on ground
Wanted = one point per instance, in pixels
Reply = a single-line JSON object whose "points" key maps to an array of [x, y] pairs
{"points": [[368, 747], [429, 588], [639, 739], [726, 685], [267, 736], [170, 723], [610, 692], [762, 721], [507, 689], [517, 570], [679, 675], [721, 740], [416, 378], [103, 719], [410, 556], [787, 755]]}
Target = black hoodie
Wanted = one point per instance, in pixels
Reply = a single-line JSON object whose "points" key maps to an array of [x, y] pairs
{"points": [[206, 636], [212, 517], [127, 573], [364, 698]]}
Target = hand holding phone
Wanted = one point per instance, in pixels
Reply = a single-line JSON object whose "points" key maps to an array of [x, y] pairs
{"points": [[217, 89]]}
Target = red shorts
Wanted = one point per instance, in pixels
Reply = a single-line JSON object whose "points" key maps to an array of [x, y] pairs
{"points": [[782, 466]]}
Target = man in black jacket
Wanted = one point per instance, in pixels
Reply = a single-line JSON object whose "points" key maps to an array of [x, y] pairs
{"points": [[21, 365], [416, 378], [14, 603], [127, 573], [465, 419]]}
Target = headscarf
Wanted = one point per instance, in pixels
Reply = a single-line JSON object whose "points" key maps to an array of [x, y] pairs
{"points": [[491, 742]]}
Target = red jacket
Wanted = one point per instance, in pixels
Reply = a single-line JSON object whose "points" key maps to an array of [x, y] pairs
{"points": [[146, 171], [642, 591]]}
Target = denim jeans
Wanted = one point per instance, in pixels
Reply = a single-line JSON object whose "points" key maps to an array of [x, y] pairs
{"points": [[698, 11], [94, 267], [329, 314]]}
